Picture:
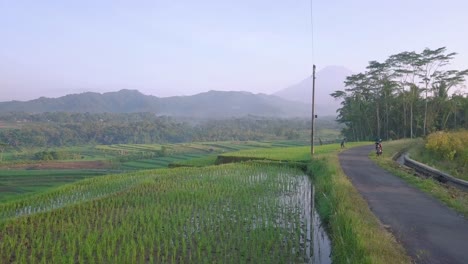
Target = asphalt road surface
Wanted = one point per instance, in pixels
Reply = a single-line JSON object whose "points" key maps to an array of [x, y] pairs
{"points": [[428, 230]]}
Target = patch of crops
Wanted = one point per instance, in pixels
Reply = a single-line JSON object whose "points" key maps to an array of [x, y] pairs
{"points": [[290, 153], [65, 195], [285, 153], [289, 143], [136, 165], [16, 182], [197, 162], [130, 147], [224, 214]]}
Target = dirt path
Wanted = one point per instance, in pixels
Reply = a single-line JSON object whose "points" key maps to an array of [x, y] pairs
{"points": [[430, 232]]}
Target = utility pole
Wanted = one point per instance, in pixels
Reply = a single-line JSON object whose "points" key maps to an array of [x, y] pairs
{"points": [[313, 113]]}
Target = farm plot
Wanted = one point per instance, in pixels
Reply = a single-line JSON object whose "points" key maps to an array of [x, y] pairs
{"points": [[233, 213], [188, 154], [288, 153], [14, 183], [297, 154], [196, 162]]}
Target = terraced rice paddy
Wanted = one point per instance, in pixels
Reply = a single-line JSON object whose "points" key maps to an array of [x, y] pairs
{"points": [[194, 154], [297, 153], [25, 177], [233, 213], [14, 183]]}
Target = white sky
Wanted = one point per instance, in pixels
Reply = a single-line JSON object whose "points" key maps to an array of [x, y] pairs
{"points": [[169, 47]]}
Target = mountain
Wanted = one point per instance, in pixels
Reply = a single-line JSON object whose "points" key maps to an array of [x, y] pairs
{"points": [[124, 101], [214, 104], [328, 80]]}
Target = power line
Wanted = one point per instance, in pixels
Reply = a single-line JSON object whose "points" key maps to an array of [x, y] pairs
{"points": [[313, 81], [312, 28]]}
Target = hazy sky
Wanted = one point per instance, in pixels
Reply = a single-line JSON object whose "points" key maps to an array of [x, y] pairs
{"points": [[52, 48]]}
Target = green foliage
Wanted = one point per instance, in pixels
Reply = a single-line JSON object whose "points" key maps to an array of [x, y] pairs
{"points": [[50, 155], [68, 129], [445, 151], [449, 145], [405, 96]]}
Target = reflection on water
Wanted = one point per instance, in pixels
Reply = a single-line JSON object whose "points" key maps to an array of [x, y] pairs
{"points": [[321, 246], [300, 194]]}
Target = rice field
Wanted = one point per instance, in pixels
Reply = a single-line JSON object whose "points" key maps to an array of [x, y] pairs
{"points": [[232, 213], [129, 148], [15, 183], [193, 154], [20, 180], [299, 154]]}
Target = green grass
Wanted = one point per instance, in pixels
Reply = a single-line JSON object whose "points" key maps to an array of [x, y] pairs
{"points": [[451, 196]]}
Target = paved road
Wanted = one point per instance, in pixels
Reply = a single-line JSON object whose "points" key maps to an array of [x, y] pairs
{"points": [[430, 232]]}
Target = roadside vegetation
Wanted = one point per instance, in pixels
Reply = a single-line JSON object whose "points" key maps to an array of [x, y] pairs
{"points": [[451, 196], [357, 235], [445, 151]]}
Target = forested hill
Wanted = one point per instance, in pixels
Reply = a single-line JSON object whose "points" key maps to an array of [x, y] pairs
{"points": [[210, 104]]}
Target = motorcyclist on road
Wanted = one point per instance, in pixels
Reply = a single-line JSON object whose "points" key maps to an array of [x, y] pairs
{"points": [[378, 147]]}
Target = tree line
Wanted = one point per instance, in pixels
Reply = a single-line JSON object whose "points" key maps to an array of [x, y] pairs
{"points": [[410, 94], [69, 129]]}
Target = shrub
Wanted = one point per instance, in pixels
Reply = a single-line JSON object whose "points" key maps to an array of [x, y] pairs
{"points": [[449, 145]]}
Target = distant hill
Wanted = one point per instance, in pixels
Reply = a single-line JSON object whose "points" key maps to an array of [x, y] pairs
{"points": [[214, 104], [328, 80]]}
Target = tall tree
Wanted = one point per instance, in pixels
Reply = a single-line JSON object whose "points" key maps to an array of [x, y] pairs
{"points": [[431, 62], [378, 79], [405, 66], [406, 96]]}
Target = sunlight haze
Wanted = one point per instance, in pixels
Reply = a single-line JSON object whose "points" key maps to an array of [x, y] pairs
{"points": [[167, 48]]}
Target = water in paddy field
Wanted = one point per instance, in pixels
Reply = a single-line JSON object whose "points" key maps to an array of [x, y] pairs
{"points": [[321, 242], [317, 245]]}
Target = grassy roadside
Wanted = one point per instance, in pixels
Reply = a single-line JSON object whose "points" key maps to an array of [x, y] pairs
{"points": [[420, 153], [357, 235], [450, 196]]}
